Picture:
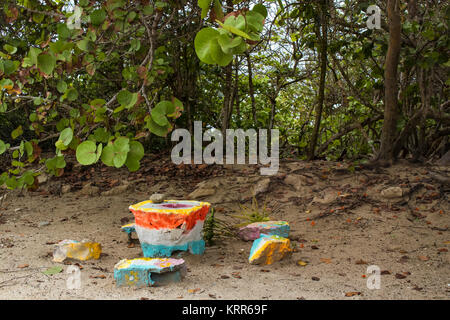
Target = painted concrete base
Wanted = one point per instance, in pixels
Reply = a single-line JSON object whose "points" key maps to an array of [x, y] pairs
{"points": [[158, 250], [83, 250], [173, 225], [145, 272], [269, 249], [254, 230]]}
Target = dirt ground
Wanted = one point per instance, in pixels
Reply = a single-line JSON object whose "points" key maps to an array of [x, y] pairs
{"points": [[340, 225]]}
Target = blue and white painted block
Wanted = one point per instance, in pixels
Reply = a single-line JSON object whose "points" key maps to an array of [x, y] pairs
{"points": [[146, 272], [272, 228]]}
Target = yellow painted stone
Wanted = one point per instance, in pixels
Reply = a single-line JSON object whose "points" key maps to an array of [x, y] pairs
{"points": [[269, 249], [83, 250]]}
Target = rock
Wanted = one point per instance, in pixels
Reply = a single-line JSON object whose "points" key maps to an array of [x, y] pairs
{"points": [[392, 193], [43, 224], [117, 190], [145, 272], [269, 249], [295, 181], [89, 190], [261, 187], [83, 250], [254, 230], [200, 193], [445, 160], [42, 178], [66, 188], [327, 199], [158, 197]]}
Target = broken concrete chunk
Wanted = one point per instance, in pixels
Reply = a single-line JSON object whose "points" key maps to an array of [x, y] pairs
{"points": [[83, 250], [129, 228], [145, 272], [254, 230], [157, 197], [392, 193], [269, 249]]}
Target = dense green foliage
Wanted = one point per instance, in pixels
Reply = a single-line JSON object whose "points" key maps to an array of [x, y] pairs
{"points": [[104, 79]]}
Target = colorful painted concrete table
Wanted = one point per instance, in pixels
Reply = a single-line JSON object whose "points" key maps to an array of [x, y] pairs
{"points": [[173, 225]]}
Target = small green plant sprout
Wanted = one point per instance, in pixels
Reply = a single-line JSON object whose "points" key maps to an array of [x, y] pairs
{"points": [[252, 214], [215, 228]]}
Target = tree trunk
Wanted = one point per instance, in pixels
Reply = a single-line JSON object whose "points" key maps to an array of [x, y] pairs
{"points": [[251, 88], [323, 71], [388, 134]]}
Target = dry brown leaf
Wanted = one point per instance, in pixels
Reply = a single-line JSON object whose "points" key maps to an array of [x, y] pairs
{"points": [[325, 260], [194, 290], [351, 294]]}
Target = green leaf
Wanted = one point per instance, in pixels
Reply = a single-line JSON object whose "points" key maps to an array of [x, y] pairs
{"points": [[3, 147], [10, 49], [161, 131], [17, 132], [101, 135], [98, 16], [121, 148], [135, 154], [108, 155], [127, 99], [85, 45], [46, 63], [261, 9], [61, 87], [33, 55], [72, 94], [63, 31], [66, 136], [205, 5], [160, 110], [233, 29], [203, 43], [53, 270], [86, 153], [221, 58]]}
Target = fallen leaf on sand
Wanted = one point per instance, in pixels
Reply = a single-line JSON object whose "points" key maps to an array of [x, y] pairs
{"points": [[442, 250], [400, 276], [424, 258], [194, 290], [302, 263], [325, 260], [315, 278], [23, 266], [360, 261], [53, 270], [351, 294]]}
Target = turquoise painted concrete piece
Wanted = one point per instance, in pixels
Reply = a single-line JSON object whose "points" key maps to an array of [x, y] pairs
{"points": [[151, 250], [145, 272], [129, 228], [272, 228]]}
